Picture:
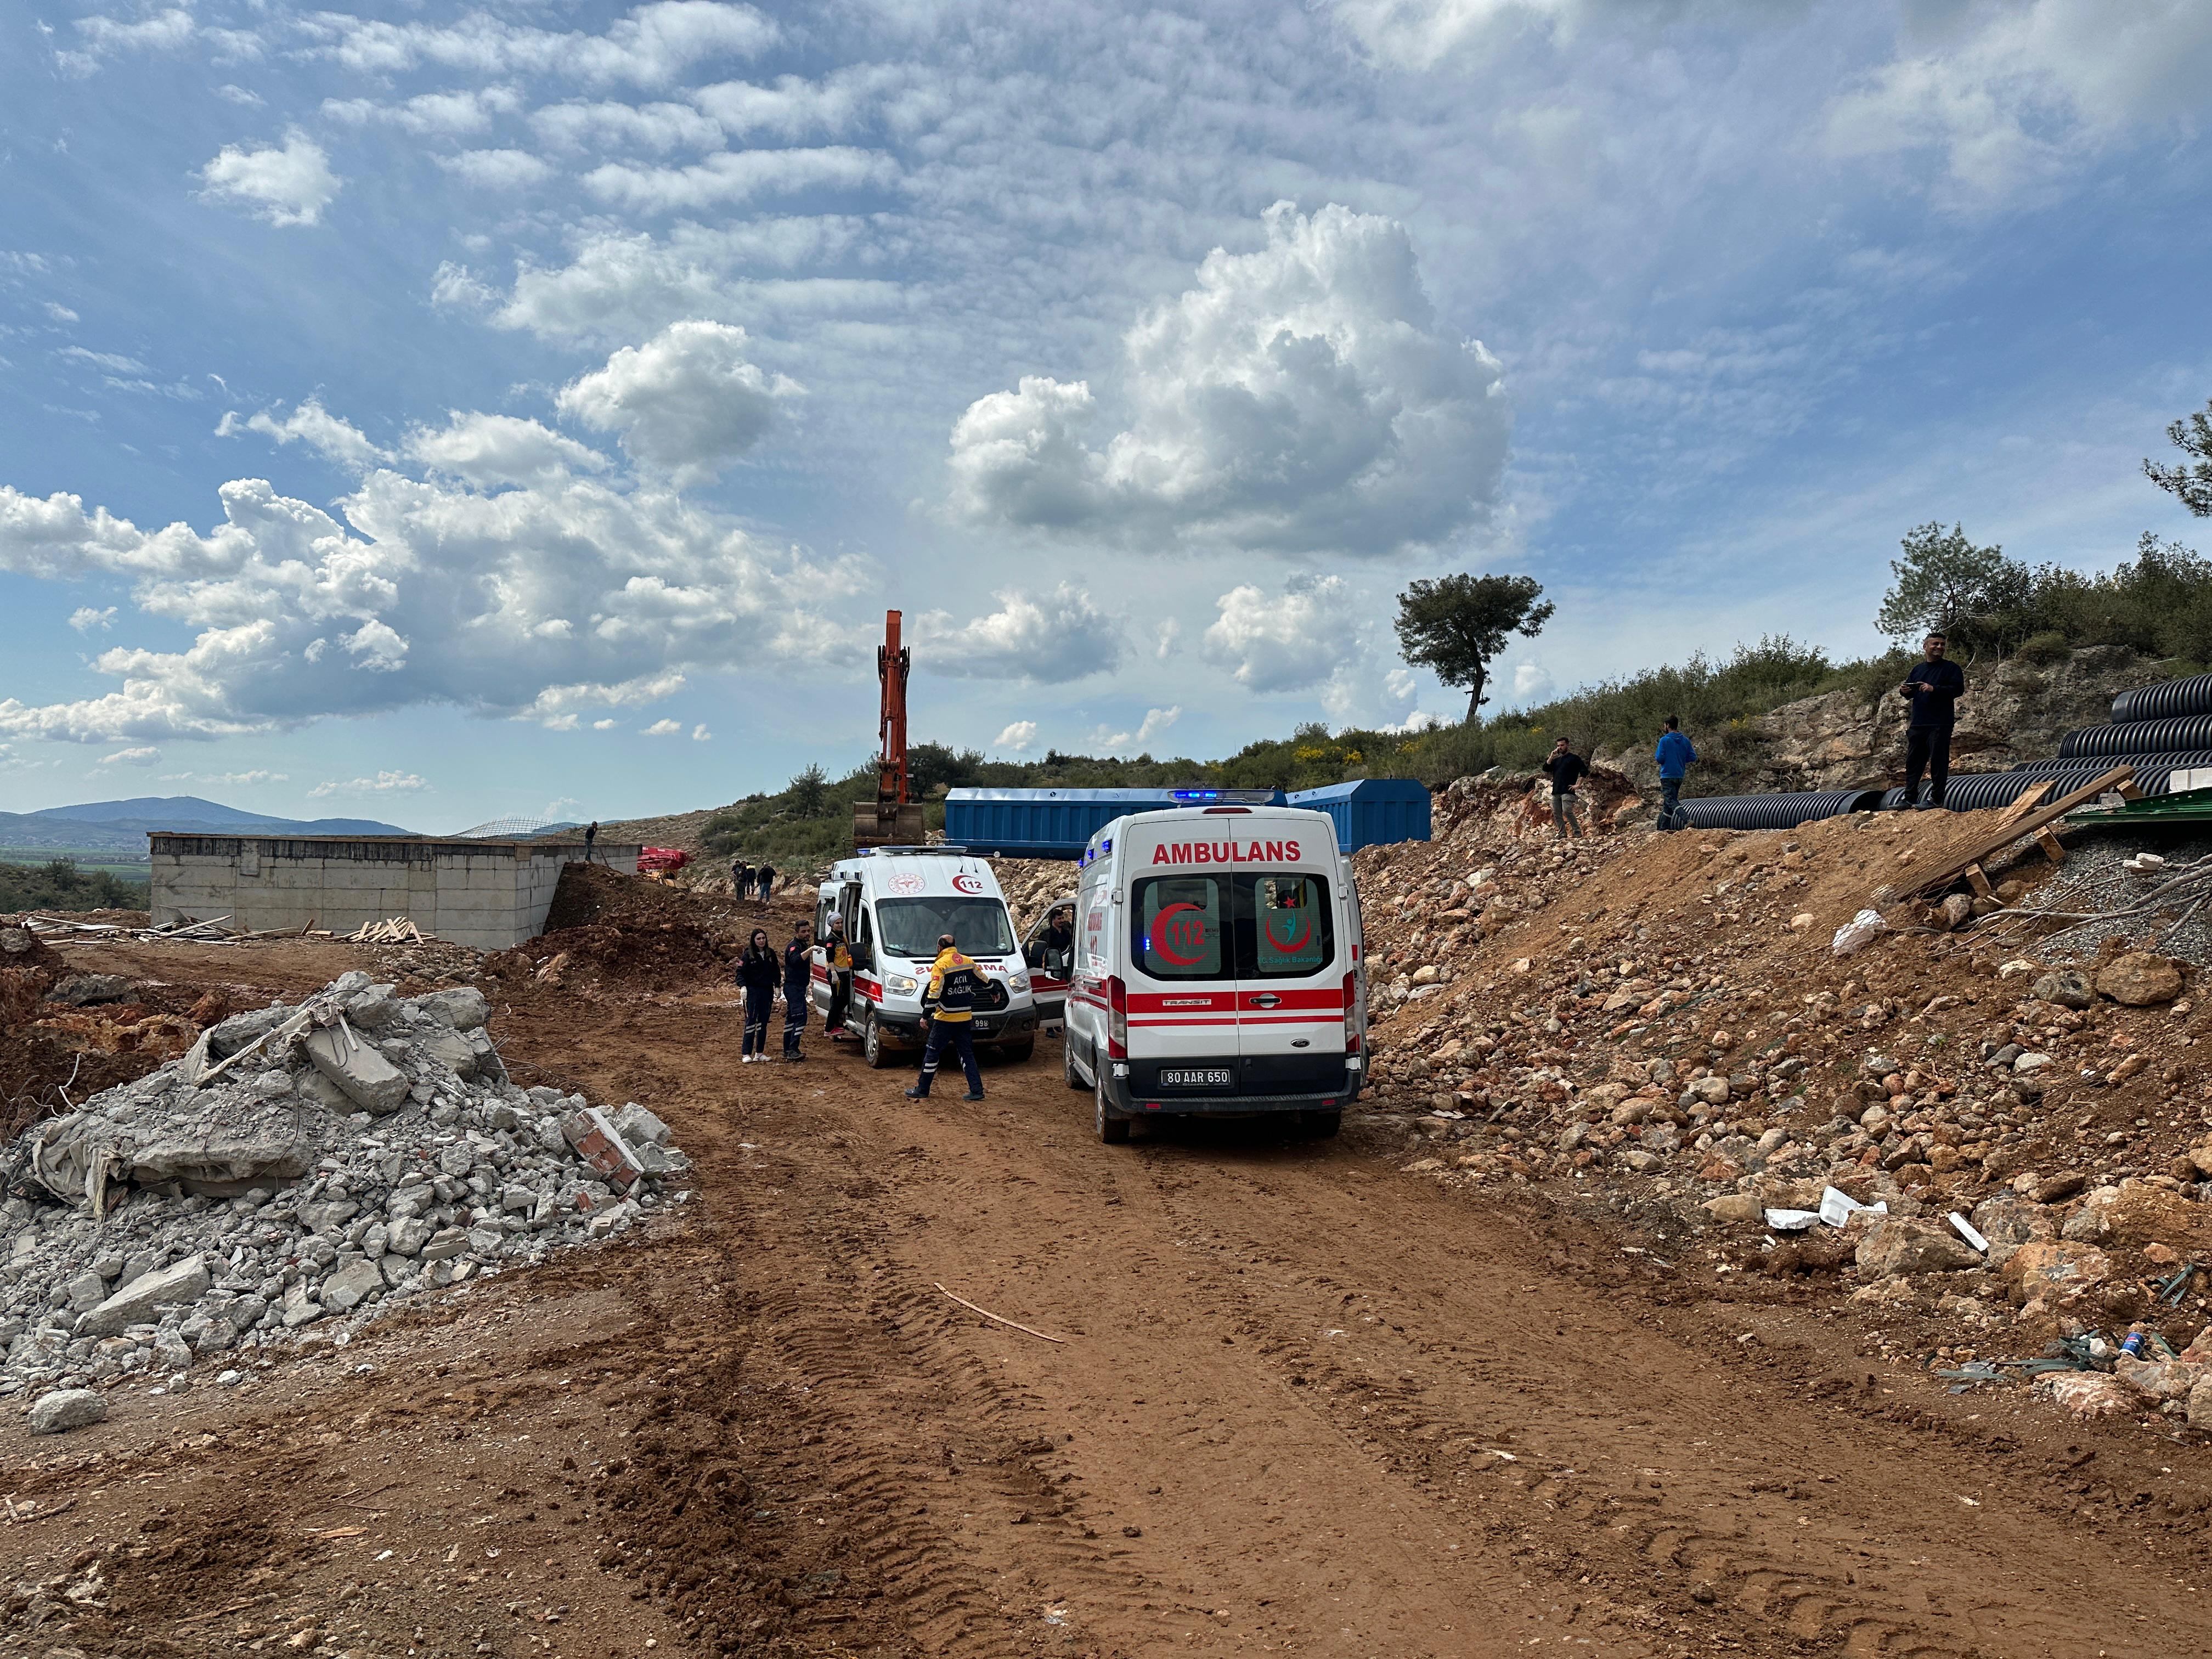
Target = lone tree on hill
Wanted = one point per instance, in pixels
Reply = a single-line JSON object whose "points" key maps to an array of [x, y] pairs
{"points": [[1944, 581], [1456, 625], [2193, 484]]}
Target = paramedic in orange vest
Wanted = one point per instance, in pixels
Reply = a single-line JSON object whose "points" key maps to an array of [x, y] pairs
{"points": [[950, 1002]]}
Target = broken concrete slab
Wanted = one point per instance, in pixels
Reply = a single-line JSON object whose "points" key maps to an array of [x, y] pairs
{"points": [[179, 1285], [88, 990], [465, 1008], [373, 1083], [349, 1284]]}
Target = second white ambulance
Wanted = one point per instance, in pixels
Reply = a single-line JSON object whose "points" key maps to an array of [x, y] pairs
{"points": [[1218, 970]]}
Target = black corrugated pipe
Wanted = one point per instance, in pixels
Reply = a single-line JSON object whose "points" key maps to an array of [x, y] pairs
{"points": [[2138, 737], [2052, 769], [1773, 811], [1979, 791], [2168, 699]]}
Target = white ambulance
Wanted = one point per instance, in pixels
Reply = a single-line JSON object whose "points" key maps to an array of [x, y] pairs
{"points": [[1219, 969], [895, 902]]}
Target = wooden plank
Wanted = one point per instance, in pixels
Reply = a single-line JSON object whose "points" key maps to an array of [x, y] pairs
{"points": [[2051, 847], [1979, 881], [1985, 846], [2023, 803]]}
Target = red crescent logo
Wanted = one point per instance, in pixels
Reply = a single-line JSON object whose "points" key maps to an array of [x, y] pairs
{"points": [[1159, 936]]}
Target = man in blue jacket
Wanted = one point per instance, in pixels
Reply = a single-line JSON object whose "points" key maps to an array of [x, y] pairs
{"points": [[1674, 756], [1935, 687]]}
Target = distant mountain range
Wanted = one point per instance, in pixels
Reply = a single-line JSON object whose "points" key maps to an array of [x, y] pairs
{"points": [[122, 824]]}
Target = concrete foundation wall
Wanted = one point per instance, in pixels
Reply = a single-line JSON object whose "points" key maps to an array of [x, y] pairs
{"points": [[487, 895]]}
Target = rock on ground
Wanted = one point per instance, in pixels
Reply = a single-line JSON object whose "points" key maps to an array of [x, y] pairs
{"points": [[66, 1409]]}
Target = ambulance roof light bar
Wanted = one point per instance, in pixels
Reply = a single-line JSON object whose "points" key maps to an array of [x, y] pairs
{"points": [[1197, 797]]}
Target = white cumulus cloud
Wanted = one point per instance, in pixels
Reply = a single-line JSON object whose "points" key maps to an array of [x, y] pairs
{"points": [[84, 618], [1057, 637], [500, 449], [1017, 737], [687, 401], [497, 169], [143, 757], [1283, 641], [1156, 721], [332, 436], [662, 729], [1300, 397], [701, 734], [649, 48], [2013, 95], [287, 183], [383, 783], [249, 778]]}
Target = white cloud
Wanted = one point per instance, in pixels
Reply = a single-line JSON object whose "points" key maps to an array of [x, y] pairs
{"points": [[249, 779], [1302, 397], [145, 757], [289, 184], [383, 783], [1284, 642], [489, 450], [1531, 680], [701, 734], [591, 127], [535, 601], [729, 177], [687, 401], [113, 362], [661, 729], [331, 436], [2014, 95], [84, 618], [1156, 721], [648, 48], [432, 114], [497, 169], [60, 313], [604, 725], [166, 30], [1417, 34], [239, 95], [1019, 738], [1059, 637]]}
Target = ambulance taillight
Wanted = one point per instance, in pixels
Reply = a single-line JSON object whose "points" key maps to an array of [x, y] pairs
{"points": [[1117, 1019], [1350, 1009]]}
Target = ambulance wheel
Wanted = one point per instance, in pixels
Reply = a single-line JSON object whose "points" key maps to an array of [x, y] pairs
{"points": [[1015, 1053], [1067, 1064], [871, 1045], [1322, 1125], [1111, 1129]]}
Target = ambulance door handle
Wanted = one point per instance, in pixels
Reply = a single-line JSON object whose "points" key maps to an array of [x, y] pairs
{"points": [[1265, 999]]}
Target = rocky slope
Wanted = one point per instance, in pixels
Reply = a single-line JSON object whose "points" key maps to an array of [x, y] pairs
{"points": [[1656, 1024]]}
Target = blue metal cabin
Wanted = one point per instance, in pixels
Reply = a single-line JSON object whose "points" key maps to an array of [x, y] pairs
{"points": [[1059, 824], [1371, 811]]}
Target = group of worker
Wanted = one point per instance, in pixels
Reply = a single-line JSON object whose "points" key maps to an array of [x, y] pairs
{"points": [[955, 982], [1932, 688], [748, 881]]}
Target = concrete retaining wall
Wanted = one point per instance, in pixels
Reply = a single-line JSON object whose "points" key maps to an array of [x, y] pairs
{"points": [[487, 895]]}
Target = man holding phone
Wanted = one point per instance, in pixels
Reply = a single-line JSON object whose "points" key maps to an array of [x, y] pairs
{"points": [[1935, 686]]}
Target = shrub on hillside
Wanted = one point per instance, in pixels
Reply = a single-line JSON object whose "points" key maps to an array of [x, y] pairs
{"points": [[58, 884]]}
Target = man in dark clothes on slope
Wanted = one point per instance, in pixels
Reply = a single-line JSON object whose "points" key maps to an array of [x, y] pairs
{"points": [[1567, 769], [1935, 686]]}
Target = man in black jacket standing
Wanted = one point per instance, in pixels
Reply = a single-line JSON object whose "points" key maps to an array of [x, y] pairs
{"points": [[1935, 686], [1567, 769]]}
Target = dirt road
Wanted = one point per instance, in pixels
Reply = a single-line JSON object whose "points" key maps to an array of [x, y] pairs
{"points": [[1303, 1403]]}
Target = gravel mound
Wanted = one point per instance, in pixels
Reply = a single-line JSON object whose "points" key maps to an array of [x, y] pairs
{"points": [[303, 1164]]}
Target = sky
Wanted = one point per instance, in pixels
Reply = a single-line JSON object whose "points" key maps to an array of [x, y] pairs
{"points": [[445, 413]]}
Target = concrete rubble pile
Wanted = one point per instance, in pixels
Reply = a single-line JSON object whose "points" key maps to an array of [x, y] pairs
{"points": [[301, 1166], [1656, 1024]]}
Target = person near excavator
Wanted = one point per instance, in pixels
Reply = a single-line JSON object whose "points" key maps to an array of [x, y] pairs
{"points": [[837, 953], [950, 1002]]}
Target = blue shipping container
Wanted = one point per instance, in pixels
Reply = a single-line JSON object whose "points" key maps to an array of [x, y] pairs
{"points": [[1058, 823], [1371, 811]]}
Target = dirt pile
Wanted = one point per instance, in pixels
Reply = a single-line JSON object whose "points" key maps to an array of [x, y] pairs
{"points": [[1658, 1022], [626, 934]]}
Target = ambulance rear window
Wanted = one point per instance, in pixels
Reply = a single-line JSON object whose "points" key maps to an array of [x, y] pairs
{"points": [[1181, 926]]}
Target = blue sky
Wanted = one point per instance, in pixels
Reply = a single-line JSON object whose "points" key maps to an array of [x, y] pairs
{"points": [[443, 413]]}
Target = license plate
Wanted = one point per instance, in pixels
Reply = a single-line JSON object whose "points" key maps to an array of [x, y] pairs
{"points": [[1210, 1077]]}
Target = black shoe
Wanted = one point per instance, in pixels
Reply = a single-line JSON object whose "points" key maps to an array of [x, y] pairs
{"points": [[917, 1094], [971, 1096], [794, 1056]]}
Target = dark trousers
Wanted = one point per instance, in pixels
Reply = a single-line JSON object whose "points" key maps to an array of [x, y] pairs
{"points": [[760, 1002], [1926, 748], [1670, 798], [943, 1036], [794, 1019], [841, 1001]]}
